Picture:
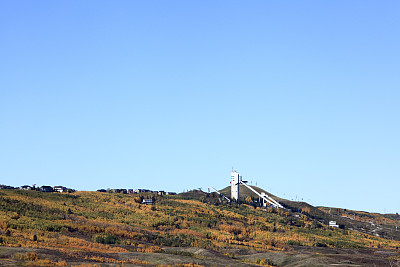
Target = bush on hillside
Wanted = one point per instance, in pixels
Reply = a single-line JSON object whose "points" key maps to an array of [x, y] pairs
{"points": [[105, 239], [294, 243], [321, 245]]}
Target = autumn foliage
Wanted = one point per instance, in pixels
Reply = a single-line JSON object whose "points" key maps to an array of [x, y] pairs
{"points": [[93, 225]]}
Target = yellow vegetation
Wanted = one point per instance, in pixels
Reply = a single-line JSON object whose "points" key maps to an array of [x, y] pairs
{"points": [[70, 223]]}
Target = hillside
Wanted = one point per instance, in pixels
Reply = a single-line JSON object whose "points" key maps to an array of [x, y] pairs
{"points": [[365, 222], [194, 228]]}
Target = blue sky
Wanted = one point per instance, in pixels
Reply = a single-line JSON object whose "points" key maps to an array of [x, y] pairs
{"points": [[301, 97]]}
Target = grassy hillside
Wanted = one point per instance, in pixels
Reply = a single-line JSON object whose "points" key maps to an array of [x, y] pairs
{"points": [[191, 228], [365, 222]]}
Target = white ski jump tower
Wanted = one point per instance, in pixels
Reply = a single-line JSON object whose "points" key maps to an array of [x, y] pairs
{"points": [[236, 179]]}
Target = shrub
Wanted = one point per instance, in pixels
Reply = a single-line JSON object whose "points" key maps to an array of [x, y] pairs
{"points": [[321, 245], [294, 243], [42, 263], [19, 256], [31, 256], [3, 224], [105, 239], [265, 262], [231, 229], [28, 256], [260, 262]]}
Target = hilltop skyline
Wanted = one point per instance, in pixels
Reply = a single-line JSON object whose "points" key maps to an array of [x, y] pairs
{"points": [[300, 98]]}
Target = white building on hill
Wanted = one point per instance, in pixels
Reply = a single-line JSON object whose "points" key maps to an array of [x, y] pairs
{"points": [[333, 224], [235, 181]]}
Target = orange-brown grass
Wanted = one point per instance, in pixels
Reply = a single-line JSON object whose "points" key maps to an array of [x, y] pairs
{"points": [[69, 222]]}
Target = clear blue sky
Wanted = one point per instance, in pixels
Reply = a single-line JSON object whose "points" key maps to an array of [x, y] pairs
{"points": [[302, 97]]}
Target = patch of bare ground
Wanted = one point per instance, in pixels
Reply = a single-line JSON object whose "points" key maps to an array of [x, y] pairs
{"points": [[312, 256], [177, 256], [14, 256], [170, 256], [296, 257]]}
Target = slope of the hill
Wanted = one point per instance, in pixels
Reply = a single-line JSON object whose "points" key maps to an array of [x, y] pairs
{"points": [[387, 226], [193, 228]]}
